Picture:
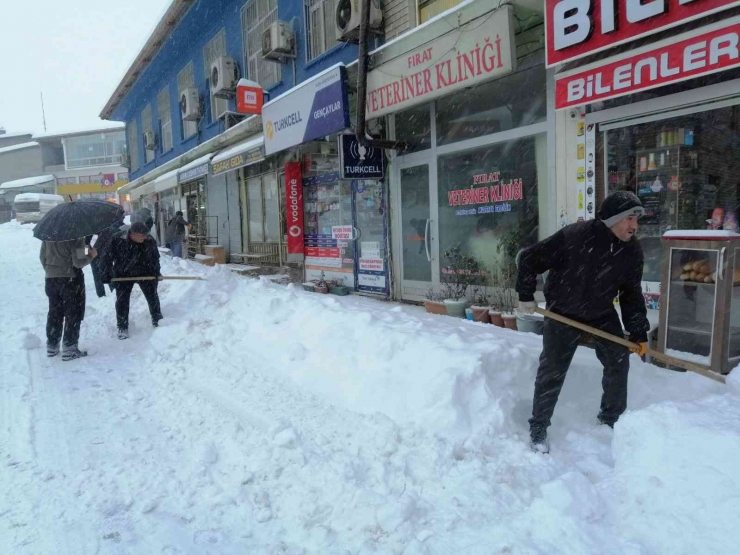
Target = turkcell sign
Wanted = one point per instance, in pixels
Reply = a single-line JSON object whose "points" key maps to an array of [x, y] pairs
{"points": [[359, 162], [316, 108]]}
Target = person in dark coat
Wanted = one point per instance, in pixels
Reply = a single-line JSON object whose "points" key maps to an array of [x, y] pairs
{"points": [[65, 287], [101, 244], [590, 264], [176, 233], [133, 253]]}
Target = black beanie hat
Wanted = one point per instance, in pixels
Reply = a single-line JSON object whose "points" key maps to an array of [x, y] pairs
{"points": [[618, 206], [139, 227]]}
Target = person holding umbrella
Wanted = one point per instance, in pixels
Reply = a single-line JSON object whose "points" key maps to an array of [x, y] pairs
{"points": [[133, 253], [63, 231]]}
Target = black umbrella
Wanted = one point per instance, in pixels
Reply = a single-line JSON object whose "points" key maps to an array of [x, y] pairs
{"points": [[78, 218]]}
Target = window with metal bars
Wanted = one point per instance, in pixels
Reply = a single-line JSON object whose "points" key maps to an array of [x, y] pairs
{"points": [[133, 145], [431, 8], [214, 49], [146, 124], [185, 79], [257, 15], [321, 31], [165, 119]]}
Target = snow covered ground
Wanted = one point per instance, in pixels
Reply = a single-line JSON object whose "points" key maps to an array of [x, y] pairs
{"points": [[259, 419]]}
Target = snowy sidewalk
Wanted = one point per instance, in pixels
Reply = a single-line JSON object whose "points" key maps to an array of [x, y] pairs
{"points": [[263, 419]]}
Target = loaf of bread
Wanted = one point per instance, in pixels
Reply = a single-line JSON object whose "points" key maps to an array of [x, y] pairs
{"points": [[688, 267]]}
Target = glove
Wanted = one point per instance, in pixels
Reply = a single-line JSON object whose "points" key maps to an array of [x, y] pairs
{"points": [[641, 350], [527, 307]]}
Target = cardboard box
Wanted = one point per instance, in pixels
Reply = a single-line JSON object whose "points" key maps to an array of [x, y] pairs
{"points": [[218, 253], [205, 260]]}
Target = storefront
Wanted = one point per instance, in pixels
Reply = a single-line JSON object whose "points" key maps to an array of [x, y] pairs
{"points": [[662, 122], [476, 125]]}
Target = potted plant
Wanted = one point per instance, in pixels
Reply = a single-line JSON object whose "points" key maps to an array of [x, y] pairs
{"points": [[433, 303], [481, 305], [322, 286], [508, 283], [497, 298], [461, 271], [337, 287]]}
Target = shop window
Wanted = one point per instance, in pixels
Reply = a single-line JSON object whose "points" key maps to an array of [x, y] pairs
{"points": [[103, 149], [185, 79], [488, 200], [507, 103], [165, 119], [257, 15], [263, 207], [684, 170], [432, 8], [214, 49], [256, 219], [414, 126], [320, 27], [123, 176]]}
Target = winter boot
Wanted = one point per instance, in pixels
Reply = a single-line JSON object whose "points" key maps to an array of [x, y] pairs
{"points": [[72, 353], [538, 440], [52, 350], [603, 421], [122, 333], [156, 319]]}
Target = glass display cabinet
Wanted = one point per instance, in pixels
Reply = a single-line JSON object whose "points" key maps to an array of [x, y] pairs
{"points": [[700, 298]]}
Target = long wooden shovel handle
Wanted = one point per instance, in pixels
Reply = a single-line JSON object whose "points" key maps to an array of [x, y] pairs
{"points": [[149, 278], [672, 361]]}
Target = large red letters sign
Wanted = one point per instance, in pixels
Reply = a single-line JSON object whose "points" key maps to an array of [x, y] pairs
{"points": [[294, 208], [576, 28]]}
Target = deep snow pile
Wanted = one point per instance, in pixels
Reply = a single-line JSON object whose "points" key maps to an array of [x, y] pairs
{"points": [[262, 419]]}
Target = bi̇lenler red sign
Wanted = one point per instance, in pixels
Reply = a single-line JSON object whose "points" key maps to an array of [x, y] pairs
{"points": [[294, 208], [577, 28], [684, 57]]}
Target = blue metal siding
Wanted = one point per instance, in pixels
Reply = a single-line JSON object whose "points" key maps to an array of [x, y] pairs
{"points": [[195, 30]]}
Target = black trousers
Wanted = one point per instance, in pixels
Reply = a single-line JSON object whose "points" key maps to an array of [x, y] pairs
{"points": [[97, 278], [66, 309], [123, 299], [560, 343]]}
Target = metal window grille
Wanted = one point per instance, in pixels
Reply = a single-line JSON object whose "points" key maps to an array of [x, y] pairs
{"points": [[146, 125], [165, 119], [133, 145], [215, 48], [321, 29], [257, 15], [431, 8], [185, 79]]}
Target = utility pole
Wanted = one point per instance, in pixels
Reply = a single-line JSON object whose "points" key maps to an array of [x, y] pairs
{"points": [[43, 113]]}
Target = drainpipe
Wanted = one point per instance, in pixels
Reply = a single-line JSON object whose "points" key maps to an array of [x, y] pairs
{"points": [[360, 131]]}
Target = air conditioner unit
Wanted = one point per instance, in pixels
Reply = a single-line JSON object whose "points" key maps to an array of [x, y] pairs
{"points": [[224, 77], [347, 19], [190, 104], [150, 140], [232, 118], [278, 41]]}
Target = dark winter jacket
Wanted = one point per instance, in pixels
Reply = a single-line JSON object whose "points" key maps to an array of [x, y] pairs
{"points": [[124, 258], [63, 259], [589, 267], [176, 229]]}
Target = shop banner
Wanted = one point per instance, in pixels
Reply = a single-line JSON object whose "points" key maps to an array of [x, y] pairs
{"points": [[194, 173], [315, 108], [246, 158], [577, 28], [358, 162], [468, 55], [294, 210], [686, 56]]}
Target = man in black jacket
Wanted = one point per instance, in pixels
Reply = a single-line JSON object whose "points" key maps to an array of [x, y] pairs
{"points": [[133, 253], [591, 264]]}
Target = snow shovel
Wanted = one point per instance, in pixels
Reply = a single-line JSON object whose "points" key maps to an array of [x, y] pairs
{"points": [[690, 366], [160, 278]]}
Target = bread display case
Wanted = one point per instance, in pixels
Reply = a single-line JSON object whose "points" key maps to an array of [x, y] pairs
{"points": [[700, 298]]}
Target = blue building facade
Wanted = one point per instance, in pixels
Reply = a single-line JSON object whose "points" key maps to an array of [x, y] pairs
{"points": [[229, 22]]}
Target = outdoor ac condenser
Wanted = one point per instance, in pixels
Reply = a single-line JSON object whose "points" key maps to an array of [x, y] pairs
{"points": [[190, 104], [224, 77], [278, 41], [347, 19]]}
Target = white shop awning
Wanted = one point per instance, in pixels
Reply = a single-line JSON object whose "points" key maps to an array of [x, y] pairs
{"points": [[165, 182], [241, 154]]}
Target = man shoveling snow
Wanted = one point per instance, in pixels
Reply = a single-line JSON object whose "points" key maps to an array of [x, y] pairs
{"points": [[590, 264]]}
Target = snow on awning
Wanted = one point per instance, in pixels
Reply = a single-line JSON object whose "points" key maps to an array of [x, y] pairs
{"points": [[27, 182], [241, 154], [195, 169], [165, 182], [21, 146], [145, 189]]}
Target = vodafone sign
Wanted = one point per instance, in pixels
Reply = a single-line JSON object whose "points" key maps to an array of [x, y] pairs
{"points": [[294, 210], [577, 28], [715, 48]]}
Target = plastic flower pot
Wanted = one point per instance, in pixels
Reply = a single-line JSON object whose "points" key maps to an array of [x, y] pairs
{"points": [[340, 290], [435, 307], [496, 318], [530, 323], [323, 289], [456, 307], [509, 321], [309, 287], [480, 313], [468, 314]]}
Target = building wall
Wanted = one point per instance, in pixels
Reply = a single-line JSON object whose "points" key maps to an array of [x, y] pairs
{"points": [[197, 28], [14, 139], [18, 164], [399, 16]]}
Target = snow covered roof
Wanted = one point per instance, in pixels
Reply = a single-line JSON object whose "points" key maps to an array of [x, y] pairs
{"points": [[238, 148], [27, 182], [107, 128], [37, 197], [18, 147], [13, 135], [195, 163]]}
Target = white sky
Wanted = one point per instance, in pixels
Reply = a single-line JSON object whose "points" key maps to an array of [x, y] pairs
{"points": [[77, 50]]}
